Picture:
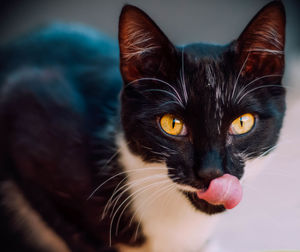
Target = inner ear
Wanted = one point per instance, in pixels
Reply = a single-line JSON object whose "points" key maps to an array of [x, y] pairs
{"points": [[144, 50], [260, 47]]}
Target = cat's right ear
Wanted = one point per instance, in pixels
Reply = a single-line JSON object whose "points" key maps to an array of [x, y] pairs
{"points": [[144, 50]]}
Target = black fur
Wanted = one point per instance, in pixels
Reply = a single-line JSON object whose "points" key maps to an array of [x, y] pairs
{"points": [[60, 114]]}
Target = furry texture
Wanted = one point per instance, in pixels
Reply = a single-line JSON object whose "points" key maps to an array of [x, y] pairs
{"points": [[99, 172]]}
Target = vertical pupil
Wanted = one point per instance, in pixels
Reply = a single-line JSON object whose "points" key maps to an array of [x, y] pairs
{"points": [[173, 123], [241, 121]]}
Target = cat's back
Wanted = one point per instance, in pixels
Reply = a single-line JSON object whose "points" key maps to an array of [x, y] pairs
{"points": [[62, 44], [85, 58]]}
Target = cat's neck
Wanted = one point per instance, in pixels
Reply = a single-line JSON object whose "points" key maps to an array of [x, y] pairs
{"points": [[168, 220]]}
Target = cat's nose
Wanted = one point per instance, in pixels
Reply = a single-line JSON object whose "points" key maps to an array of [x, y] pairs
{"points": [[209, 173], [210, 167]]}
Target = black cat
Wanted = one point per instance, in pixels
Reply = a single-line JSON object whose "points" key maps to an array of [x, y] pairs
{"points": [[82, 171]]}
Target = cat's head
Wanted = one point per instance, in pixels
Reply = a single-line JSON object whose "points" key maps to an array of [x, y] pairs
{"points": [[204, 110]]}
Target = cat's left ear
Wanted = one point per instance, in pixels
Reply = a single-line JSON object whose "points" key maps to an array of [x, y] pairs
{"points": [[260, 47], [144, 50]]}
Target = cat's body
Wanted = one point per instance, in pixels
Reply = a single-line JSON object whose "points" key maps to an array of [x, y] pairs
{"points": [[79, 172], [86, 106]]}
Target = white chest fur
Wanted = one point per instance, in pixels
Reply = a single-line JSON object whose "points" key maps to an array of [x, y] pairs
{"points": [[169, 221]]}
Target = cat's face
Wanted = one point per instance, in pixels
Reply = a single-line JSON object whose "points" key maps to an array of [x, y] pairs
{"points": [[203, 110]]}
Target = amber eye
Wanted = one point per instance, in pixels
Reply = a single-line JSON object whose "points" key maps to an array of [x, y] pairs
{"points": [[242, 124], [172, 125]]}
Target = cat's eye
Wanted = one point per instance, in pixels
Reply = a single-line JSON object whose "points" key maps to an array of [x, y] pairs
{"points": [[242, 124], [172, 125]]}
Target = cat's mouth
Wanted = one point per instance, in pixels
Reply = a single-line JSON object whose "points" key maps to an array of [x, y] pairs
{"points": [[224, 192]]}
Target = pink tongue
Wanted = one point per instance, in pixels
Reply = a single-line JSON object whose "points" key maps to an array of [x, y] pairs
{"points": [[225, 190]]}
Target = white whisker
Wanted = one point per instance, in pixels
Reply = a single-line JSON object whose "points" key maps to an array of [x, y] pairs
{"points": [[238, 77], [106, 208], [156, 196], [147, 200], [127, 205], [253, 81], [167, 149], [182, 77], [147, 187], [161, 81], [166, 92], [254, 89], [165, 155], [124, 172], [265, 50], [133, 184]]}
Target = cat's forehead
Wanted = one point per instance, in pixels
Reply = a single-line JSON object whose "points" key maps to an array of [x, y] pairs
{"points": [[207, 72], [206, 64], [203, 50], [208, 77]]}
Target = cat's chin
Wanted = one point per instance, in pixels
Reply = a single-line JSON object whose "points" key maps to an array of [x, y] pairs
{"points": [[203, 205]]}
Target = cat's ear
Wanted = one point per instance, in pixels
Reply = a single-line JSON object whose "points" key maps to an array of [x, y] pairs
{"points": [[144, 50], [260, 47]]}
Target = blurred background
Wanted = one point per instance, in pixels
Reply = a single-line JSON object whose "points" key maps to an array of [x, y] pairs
{"points": [[269, 216]]}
